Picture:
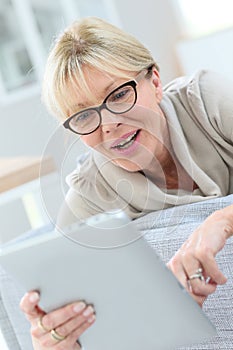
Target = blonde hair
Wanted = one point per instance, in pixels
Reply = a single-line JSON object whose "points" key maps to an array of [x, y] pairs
{"points": [[90, 42]]}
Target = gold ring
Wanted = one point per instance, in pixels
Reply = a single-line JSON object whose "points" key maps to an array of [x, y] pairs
{"points": [[57, 336], [41, 326]]}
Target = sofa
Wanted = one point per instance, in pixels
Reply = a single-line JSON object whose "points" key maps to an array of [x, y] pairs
{"points": [[165, 230]]}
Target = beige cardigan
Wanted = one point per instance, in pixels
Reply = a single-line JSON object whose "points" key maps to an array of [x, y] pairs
{"points": [[199, 111]]}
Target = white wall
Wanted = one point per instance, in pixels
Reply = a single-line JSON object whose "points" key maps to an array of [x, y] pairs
{"points": [[154, 23], [214, 51], [25, 127]]}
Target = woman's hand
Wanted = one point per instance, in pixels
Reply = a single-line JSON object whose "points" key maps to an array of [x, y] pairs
{"points": [[194, 263], [67, 323]]}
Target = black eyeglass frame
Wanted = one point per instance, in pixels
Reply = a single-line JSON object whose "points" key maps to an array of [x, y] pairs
{"points": [[103, 105], [98, 109]]}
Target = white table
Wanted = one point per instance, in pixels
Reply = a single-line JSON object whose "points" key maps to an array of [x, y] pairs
{"points": [[20, 183]]}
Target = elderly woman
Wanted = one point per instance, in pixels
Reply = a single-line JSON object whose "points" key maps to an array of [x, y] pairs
{"points": [[150, 148]]}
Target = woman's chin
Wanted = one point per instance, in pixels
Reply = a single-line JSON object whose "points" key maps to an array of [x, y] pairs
{"points": [[127, 165]]}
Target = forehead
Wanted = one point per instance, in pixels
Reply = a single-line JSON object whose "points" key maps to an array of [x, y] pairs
{"points": [[98, 85]]}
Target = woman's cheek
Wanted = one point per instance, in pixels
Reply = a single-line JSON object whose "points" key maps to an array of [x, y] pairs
{"points": [[91, 140]]}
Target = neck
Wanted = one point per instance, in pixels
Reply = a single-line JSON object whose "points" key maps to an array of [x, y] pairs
{"points": [[167, 172]]}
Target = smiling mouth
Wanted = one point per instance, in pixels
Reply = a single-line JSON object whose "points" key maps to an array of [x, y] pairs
{"points": [[126, 143]]}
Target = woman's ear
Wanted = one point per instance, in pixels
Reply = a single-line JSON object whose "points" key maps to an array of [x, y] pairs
{"points": [[158, 85]]}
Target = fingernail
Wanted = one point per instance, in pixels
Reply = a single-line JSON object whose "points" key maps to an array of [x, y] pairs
{"points": [[34, 297], [88, 311], [91, 319], [79, 307]]}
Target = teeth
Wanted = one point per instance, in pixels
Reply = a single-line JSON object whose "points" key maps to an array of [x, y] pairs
{"points": [[126, 141]]}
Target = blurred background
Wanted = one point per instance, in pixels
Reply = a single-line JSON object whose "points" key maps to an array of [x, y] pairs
{"points": [[183, 35]]}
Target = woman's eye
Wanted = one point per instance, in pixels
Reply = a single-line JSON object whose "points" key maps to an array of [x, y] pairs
{"points": [[82, 117], [120, 95]]}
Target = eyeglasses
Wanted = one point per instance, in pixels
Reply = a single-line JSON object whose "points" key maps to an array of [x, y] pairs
{"points": [[120, 100]]}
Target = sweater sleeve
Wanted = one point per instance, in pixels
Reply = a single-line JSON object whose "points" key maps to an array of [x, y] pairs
{"points": [[75, 208]]}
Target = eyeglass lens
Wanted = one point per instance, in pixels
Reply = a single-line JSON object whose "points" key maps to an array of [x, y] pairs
{"points": [[119, 101]]}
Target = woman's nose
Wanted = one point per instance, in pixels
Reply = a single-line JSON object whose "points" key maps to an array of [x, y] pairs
{"points": [[110, 121], [107, 128]]}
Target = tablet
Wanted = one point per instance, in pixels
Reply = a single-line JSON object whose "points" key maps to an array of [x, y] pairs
{"points": [[106, 261]]}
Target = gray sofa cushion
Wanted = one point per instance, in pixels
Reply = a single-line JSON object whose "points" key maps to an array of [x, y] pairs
{"points": [[7, 329], [14, 326], [165, 230]]}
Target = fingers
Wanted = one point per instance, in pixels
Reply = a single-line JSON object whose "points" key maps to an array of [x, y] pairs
{"points": [[47, 340], [58, 329], [177, 269], [63, 326], [209, 268], [65, 320], [79, 331], [199, 251], [197, 287], [53, 319], [76, 322], [29, 305], [194, 255]]}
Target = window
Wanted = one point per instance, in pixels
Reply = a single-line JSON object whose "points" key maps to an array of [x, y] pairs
{"points": [[206, 16], [208, 36], [27, 28]]}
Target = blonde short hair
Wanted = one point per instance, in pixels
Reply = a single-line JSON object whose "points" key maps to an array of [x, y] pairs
{"points": [[90, 42]]}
